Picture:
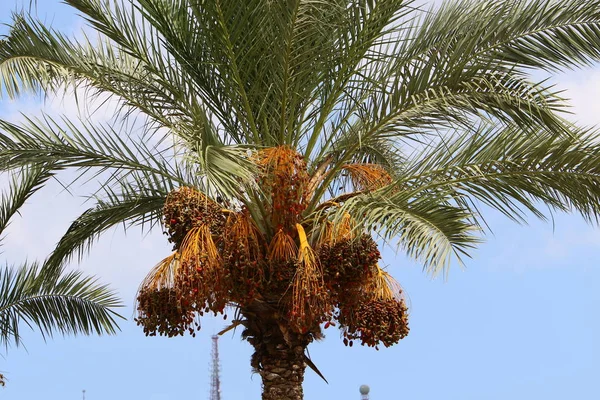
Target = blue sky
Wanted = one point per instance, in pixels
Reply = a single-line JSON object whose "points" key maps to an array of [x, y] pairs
{"points": [[519, 322]]}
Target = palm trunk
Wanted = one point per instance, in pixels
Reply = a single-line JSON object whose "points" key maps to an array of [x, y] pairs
{"points": [[282, 371], [278, 354]]}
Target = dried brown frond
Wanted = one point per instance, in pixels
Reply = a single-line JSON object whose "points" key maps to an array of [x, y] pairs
{"points": [[310, 300], [282, 247], [368, 176], [163, 274]]}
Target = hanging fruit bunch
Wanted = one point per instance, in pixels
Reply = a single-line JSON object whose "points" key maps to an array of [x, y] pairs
{"points": [[243, 257], [311, 302], [161, 312], [160, 307], [186, 208], [368, 176], [349, 262], [282, 260], [294, 271], [284, 178], [202, 275], [194, 275], [305, 278], [379, 317]]}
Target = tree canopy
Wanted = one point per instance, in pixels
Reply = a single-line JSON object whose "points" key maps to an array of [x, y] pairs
{"points": [[283, 142]]}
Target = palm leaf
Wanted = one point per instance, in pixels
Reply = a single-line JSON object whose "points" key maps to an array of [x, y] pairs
{"points": [[427, 228], [133, 205], [53, 303], [513, 171], [22, 186], [34, 57]]}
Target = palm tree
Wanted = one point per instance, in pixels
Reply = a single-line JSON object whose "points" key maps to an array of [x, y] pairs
{"points": [[46, 297], [283, 142]]}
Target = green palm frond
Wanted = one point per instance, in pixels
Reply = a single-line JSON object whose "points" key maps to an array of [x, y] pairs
{"points": [[361, 46], [540, 34], [22, 185], [513, 171], [53, 302], [34, 57], [543, 34], [132, 202], [427, 228], [436, 93], [69, 144], [46, 298]]}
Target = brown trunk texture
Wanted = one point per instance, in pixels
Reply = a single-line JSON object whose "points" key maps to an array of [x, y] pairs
{"points": [[278, 353], [282, 371]]}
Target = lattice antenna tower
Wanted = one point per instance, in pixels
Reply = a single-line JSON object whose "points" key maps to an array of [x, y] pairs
{"points": [[215, 380]]}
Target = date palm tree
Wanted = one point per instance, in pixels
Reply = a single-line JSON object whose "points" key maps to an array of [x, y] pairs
{"points": [[279, 144], [44, 297]]}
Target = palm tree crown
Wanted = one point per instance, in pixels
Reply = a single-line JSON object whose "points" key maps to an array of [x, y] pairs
{"points": [[284, 141]]}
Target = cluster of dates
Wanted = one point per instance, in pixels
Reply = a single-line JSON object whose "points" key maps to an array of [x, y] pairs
{"points": [[162, 311], [172, 311], [221, 257], [243, 257], [178, 285], [348, 263], [375, 322], [284, 176], [185, 209]]}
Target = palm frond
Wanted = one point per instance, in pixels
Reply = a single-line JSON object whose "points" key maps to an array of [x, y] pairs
{"points": [[227, 170], [551, 35], [53, 302], [69, 144], [360, 47], [428, 228], [505, 34], [131, 205], [456, 97], [23, 185], [34, 57], [513, 171]]}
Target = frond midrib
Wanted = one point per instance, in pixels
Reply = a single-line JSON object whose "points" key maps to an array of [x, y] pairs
{"points": [[533, 32], [496, 175], [72, 297]]}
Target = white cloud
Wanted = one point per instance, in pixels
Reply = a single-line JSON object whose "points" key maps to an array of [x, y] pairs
{"points": [[582, 88]]}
